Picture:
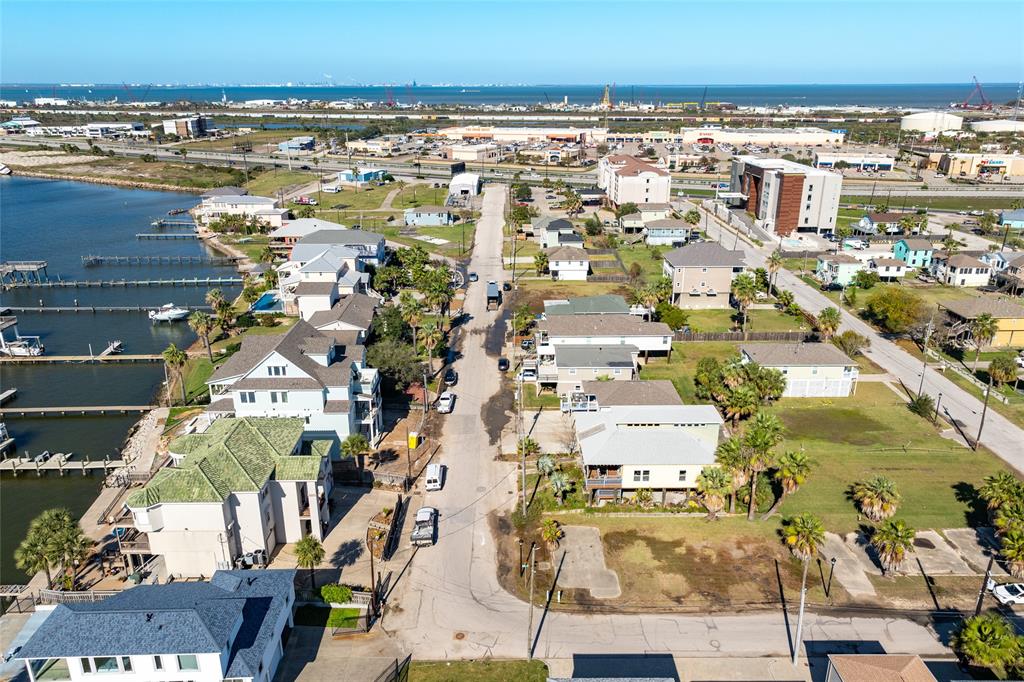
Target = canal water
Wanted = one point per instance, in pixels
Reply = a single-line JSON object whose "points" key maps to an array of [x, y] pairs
{"points": [[60, 222]]}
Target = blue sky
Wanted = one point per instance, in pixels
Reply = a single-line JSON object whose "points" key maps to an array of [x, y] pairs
{"points": [[583, 41]]}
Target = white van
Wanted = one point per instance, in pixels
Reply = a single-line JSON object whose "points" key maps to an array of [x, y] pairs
{"points": [[435, 476]]}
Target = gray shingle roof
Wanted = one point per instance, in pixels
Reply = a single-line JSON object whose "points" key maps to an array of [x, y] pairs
{"points": [[611, 393], [704, 254], [315, 288], [793, 354], [601, 325], [342, 237], [567, 253], [970, 308], [668, 224], [549, 222], [178, 618], [604, 303], [918, 244], [354, 309], [595, 356]]}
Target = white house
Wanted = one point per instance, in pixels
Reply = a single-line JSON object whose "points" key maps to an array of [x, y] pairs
{"points": [[626, 179], [245, 485], [960, 270], [812, 370], [302, 373], [369, 246], [603, 330], [284, 237], [348, 319], [667, 232], [661, 448], [264, 209], [888, 268], [568, 263], [429, 216], [315, 277], [571, 366], [230, 628]]}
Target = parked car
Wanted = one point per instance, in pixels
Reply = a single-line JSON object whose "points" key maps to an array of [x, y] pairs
{"points": [[473, 277], [1007, 593], [451, 377], [424, 528], [502, 364], [435, 476], [526, 344], [446, 402]]}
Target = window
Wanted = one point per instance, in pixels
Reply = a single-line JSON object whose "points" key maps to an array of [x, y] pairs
{"points": [[105, 664], [814, 370], [87, 665], [188, 663], [248, 396], [279, 396], [641, 475], [158, 663], [572, 370], [276, 370], [682, 475], [126, 664]]}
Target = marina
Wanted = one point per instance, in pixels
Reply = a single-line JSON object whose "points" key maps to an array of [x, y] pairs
{"points": [[158, 260], [82, 410], [80, 284], [91, 309], [166, 235], [60, 462]]}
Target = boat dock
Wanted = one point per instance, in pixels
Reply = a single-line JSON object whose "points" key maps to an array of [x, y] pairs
{"points": [[89, 261], [91, 308], [76, 359], [73, 411], [8, 395], [167, 235], [173, 223], [61, 463], [84, 284], [25, 270]]}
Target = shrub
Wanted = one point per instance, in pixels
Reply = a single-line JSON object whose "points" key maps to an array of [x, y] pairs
{"points": [[923, 406], [851, 343], [336, 594], [268, 320], [245, 321]]}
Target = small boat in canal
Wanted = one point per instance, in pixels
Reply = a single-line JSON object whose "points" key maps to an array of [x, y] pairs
{"points": [[168, 313], [4, 170], [23, 347]]}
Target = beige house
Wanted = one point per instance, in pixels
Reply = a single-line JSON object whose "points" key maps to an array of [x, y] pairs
{"points": [[812, 370], [702, 274], [571, 366]]}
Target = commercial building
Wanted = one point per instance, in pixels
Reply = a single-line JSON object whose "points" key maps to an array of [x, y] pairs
{"points": [[971, 165], [95, 130], [465, 185], [302, 143], [189, 126], [785, 196], [362, 175], [875, 162], [505, 135], [231, 628], [931, 122], [762, 137], [242, 486], [386, 145], [661, 448], [51, 102], [429, 216], [568, 263], [478, 153], [1002, 126], [264, 209], [702, 274], [960, 270], [626, 179], [812, 370], [1009, 317]]}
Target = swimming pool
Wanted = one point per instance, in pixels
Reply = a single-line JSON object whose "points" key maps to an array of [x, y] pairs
{"points": [[267, 303], [793, 244]]}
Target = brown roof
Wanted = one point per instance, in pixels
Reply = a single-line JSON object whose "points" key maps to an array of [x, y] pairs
{"points": [[961, 260], [796, 354], [839, 258], [609, 393], [880, 668], [628, 166], [893, 262], [602, 325], [970, 308], [222, 405], [916, 244], [567, 253], [888, 217], [315, 288]]}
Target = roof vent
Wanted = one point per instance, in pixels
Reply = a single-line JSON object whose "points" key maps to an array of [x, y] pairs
{"points": [[149, 617]]}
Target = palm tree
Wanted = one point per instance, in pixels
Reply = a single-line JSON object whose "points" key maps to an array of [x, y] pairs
{"points": [[267, 255], [764, 434], [1011, 547], [731, 457], [551, 532], [213, 297], [175, 359], [540, 263], [225, 312], [989, 641], [804, 534], [877, 497], [1009, 517], [546, 465], [354, 447], [432, 338], [1000, 489], [71, 546], [713, 484], [559, 483], [892, 541], [741, 402], [744, 290], [773, 265], [983, 329], [202, 325], [271, 278], [34, 554], [412, 312], [528, 447], [308, 554], [829, 320], [784, 298], [791, 472]]}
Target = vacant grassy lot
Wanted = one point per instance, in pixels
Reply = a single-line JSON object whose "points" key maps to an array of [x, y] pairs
{"points": [[456, 235], [679, 369], [873, 433], [489, 670], [533, 292], [367, 197], [257, 138], [190, 175], [728, 319], [955, 203], [267, 184], [649, 258], [418, 194]]}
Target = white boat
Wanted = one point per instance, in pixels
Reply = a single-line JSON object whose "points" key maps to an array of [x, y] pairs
{"points": [[168, 313], [23, 347], [4, 170]]}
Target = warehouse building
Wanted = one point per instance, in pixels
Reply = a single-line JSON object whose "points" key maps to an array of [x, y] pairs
{"points": [[297, 144], [505, 135], [931, 122], [971, 165], [785, 196], [765, 137], [997, 126], [189, 126], [479, 153], [876, 162]]}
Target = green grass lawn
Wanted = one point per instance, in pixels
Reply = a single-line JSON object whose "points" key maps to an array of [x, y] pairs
{"points": [[952, 203], [251, 245], [874, 433], [649, 259], [454, 234], [488, 670], [546, 400], [191, 175], [728, 319], [268, 183], [420, 195], [679, 369], [325, 617], [367, 197], [524, 248]]}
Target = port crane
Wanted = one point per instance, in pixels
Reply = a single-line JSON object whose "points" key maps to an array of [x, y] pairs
{"points": [[984, 103]]}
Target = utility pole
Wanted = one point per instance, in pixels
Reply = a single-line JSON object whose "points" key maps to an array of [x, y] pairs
{"points": [[800, 619], [984, 411], [529, 627], [924, 352], [984, 584], [373, 578]]}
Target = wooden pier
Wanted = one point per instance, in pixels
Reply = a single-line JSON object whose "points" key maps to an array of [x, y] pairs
{"points": [[167, 235], [78, 359], [89, 261], [79, 410], [162, 222], [93, 284], [92, 309], [60, 462], [25, 270]]}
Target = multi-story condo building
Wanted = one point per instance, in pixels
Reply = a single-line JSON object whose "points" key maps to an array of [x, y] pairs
{"points": [[785, 196], [626, 179]]}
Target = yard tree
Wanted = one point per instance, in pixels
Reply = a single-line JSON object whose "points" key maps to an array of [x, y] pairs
{"points": [[559, 483], [308, 554], [741, 402], [763, 434], [225, 312], [432, 338], [213, 297], [540, 263], [1009, 516], [851, 343], [987, 222], [895, 309], [546, 465], [892, 541], [271, 278], [999, 490], [71, 546], [671, 315], [828, 322], [202, 324], [713, 484], [744, 290], [804, 535], [521, 320], [784, 299], [989, 641], [773, 265], [175, 359], [731, 457], [877, 497], [625, 209], [551, 532], [388, 279], [983, 329], [950, 245], [790, 472], [396, 360], [412, 312], [865, 279], [528, 447], [354, 447], [1011, 548], [1002, 368], [692, 217]]}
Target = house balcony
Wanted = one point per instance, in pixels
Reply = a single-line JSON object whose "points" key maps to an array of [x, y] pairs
{"points": [[593, 482], [134, 542], [579, 402]]}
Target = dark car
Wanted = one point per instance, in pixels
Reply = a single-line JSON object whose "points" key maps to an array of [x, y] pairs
{"points": [[502, 364], [303, 167], [473, 277], [451, 377]]}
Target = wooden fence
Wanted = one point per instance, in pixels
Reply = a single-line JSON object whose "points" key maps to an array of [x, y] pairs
{"points": [[749, 336]]}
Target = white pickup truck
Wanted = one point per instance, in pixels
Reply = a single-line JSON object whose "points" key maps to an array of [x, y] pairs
{"points": [[425, 527]]}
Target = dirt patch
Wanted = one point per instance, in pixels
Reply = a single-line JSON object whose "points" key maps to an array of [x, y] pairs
{"points": [[846, 425]]}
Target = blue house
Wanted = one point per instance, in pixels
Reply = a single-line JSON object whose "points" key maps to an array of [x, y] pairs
{"points": [[667, 232], [297, 144], [1012, 219], [362, 175], [916, 253], [428, 216]]}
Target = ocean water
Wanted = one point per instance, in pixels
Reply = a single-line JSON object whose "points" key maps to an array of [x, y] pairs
{"points": [[60, 222], [905, 95]]}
